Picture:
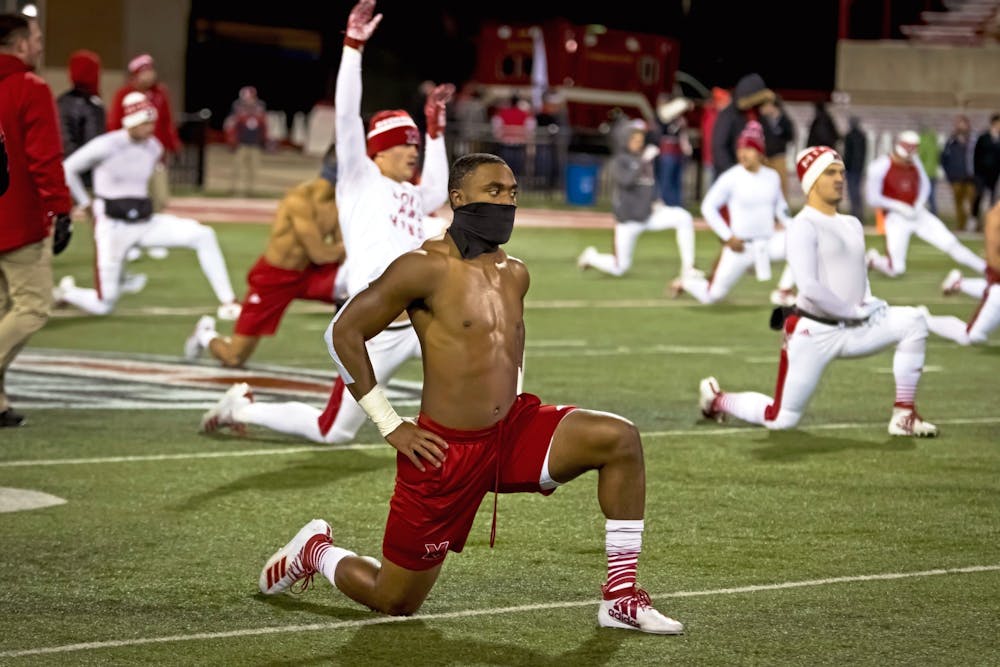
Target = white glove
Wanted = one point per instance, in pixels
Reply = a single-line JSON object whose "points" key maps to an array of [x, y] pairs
{"points": [[872, 310], [649, 152], [905, 210]]}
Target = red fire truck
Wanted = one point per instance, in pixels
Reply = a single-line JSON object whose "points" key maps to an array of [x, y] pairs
{"points": [[594, 68]]}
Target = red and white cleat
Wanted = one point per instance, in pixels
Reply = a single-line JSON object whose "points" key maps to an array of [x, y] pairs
{"points": [[634, 611], [223, 413], [287, 566], [708, 396], [952, 282], [906, 422]]}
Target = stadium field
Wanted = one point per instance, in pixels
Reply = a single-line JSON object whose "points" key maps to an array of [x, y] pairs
{"points": [[832, 544]]}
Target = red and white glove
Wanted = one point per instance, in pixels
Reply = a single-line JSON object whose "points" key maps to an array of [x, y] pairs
{"points": [[434, 108], [361, 24]]}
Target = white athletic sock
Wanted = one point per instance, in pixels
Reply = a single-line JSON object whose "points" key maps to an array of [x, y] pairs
{"points": [[293, 418], [974, 287], [907, 366], [327, 558], [746, 405]]}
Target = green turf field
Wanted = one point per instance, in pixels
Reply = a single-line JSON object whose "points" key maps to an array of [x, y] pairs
{"points": [[829, 545]]}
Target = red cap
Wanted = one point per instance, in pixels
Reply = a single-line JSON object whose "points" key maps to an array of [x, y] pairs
{"points": [[85, 70], [390, 128]]}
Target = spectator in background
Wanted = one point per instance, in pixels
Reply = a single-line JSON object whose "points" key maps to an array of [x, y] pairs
{"points": [[748, 96], [81, 110], [956, 161], [986, 163], [472, 119], [246, 133], [855, 159], [552, 141], [710, 112], [34, 210], [513, 126], [930, 158], [823, 130], [779, 133], [675, 148]]}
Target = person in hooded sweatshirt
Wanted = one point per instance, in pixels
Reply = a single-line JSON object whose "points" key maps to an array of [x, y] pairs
{"points": [[81, 110], [749, 94]]}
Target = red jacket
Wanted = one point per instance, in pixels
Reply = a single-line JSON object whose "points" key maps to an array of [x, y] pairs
{"points": [[34, 152], [165, 130]]}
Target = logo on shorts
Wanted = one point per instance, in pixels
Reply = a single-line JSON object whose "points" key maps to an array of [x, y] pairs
{"points": [[435, 551], [254, 298]]}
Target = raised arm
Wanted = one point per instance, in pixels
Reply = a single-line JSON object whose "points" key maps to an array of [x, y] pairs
{"points": [[350, 130]]}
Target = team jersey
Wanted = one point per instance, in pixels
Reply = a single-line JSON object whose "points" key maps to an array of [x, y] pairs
{"points": [[754, 200], [889, 182], [827, 256], [380, 218], [122, 166]]}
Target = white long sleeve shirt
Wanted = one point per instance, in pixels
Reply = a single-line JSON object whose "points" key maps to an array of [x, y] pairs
{"points": [[754, 200], [827, 256], [122, 166], [380, 218]]}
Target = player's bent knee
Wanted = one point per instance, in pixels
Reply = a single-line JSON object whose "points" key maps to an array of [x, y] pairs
{"points": [[977, 338], [786, 419]]}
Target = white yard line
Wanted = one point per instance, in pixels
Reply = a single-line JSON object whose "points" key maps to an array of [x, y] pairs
{"points": [[330, 449], [495, 611]]}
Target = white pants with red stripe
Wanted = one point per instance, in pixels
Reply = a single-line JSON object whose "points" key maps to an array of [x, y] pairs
{"points": [[733, 265], [113, 239], [627, 237], [927, 226], [340, 421], [810, 345], [977, 330]]}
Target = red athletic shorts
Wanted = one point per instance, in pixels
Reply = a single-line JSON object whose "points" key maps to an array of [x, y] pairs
{"points": [[431, 512], [271, 290]]}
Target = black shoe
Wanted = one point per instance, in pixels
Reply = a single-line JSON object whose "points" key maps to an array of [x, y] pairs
{"points": [[10, 418]]}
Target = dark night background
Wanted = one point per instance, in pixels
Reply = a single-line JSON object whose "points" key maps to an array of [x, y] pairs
{"points": [[792, 44]]}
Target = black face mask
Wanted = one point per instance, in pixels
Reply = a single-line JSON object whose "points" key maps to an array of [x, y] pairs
{"points": [[481, 227]]}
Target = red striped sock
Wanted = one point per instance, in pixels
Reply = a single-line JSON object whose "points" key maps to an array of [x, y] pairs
{"points": [[315, 549], [623, 542]]}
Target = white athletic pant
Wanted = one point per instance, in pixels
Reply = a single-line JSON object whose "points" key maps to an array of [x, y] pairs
{"points": [[732, 265], [113, 238], [983, 321], [627, 236], [810, 345], [343, 417], [927, 226]]}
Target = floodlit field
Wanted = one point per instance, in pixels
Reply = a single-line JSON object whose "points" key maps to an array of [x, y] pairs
{"points": [[832, 544]]}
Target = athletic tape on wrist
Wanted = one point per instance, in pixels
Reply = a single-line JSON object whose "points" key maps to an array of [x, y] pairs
{"points": [[377, 407]]}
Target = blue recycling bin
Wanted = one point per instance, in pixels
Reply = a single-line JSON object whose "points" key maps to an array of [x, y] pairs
{"points": [[581, 182]]}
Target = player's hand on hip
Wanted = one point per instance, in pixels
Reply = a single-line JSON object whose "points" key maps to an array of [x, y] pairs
{"points": [[418, 445], [735, 244], [360, 23]]}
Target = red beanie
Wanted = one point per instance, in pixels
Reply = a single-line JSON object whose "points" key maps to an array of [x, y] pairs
{"points": [[812, 162], [391, 128], [85, 70], [139, 63], [752, 136]]}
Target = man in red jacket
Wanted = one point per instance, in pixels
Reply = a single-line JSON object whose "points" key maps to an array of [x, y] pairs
{"points": [[144, 78], [36, 200]]}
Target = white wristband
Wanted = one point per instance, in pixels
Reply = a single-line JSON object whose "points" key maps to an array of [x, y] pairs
{"points": [[376, 406]]}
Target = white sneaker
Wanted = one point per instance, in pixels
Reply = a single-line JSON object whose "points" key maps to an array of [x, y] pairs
{"points": [[286, 566], [229, 311], [906, 421], [133, 253], [871, 256], [782, 297], [709, 391], [223, 413], [158, 253], [952, 282], [193, 346], [133, 283], [634, 611], [59, 291], [583, 261]]}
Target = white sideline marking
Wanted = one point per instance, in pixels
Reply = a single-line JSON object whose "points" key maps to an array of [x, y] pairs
{"points": [[469, 613], [329, 449]]}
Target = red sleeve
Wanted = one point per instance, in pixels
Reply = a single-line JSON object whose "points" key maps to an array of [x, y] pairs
{"points": [[43, 148], [173, 140], [115, 110]]}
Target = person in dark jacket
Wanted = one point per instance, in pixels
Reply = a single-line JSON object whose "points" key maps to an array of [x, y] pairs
{"points": [[986, 164], [823, 130], [749, 94], [855, 158], [37, 200], [956, 161], [779, 133], [81, 110]]}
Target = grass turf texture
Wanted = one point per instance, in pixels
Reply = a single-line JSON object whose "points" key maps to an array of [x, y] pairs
{"points": [[153, 549]]}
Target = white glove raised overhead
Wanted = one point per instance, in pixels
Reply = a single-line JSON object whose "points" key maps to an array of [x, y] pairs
{"points": [[650, 152], [361, 24]]}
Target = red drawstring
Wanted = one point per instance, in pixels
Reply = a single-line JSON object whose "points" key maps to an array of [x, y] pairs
{"points": [[496, 483]]}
